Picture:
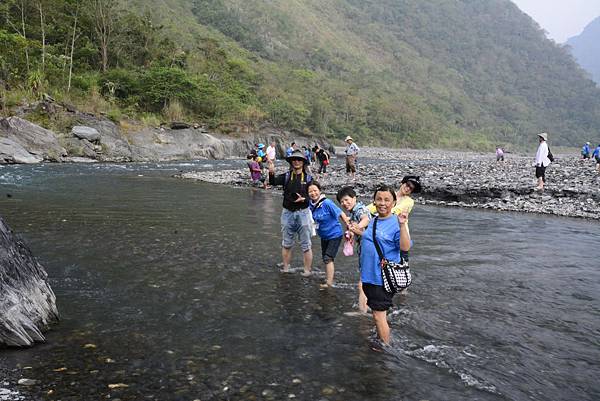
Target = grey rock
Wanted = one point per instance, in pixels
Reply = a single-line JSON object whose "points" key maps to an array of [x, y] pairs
{"points": [[27, 304], [88, 133], [12, 152], [27, 382], [79, 148], [115, 146], [33, 138], [76, 159]]}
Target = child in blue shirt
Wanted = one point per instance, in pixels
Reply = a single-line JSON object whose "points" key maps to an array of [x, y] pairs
{"points": [[327, 217]]}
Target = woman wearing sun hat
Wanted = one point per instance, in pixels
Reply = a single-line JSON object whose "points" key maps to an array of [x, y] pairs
{"points": [[541, 161], [296, 219]]}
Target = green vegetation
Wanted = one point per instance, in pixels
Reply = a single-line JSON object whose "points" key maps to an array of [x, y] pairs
{"points": [[463, 74]]}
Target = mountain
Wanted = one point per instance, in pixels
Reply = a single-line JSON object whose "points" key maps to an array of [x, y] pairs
{"points": [[410, 72], [586, 49], [436, 73]]}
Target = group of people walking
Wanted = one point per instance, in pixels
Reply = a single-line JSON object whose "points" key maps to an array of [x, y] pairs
{"points": [[587, 153], [378, 231]]}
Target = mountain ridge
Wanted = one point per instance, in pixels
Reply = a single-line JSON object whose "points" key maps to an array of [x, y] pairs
{"points": [[585, 47]]}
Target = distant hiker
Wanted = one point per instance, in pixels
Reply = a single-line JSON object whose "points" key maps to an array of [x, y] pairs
{"points": [[499, 154], [271, 152], [596, 155], [351, 155], [393, 238], [255, 171], [359, 220], [585, 151], [296, 219], [290, 150], [308, 155], [261, 155], [260, 152], [322, 158], [542, 161], [327, 218]]}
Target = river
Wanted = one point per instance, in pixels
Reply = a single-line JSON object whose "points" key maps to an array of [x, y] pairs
{"points": [[169, 290]]}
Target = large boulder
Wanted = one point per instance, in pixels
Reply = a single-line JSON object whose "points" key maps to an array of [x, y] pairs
{"points": [[34, 139], [87, 133], [12, 152], [152, 144], [27, 303], [114, 145]]}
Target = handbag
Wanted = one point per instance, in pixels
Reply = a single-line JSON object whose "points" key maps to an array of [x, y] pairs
{"points": [[348, 246], [396, 276]]}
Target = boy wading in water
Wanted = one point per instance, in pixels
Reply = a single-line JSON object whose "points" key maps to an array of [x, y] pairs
{"points": [[296, 218]]}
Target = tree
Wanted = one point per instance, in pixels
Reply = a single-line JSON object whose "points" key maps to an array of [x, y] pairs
{"points": [[18, 8], [104, 15]]}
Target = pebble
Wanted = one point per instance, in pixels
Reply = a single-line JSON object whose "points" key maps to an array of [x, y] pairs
{"points": [[27, 382]]}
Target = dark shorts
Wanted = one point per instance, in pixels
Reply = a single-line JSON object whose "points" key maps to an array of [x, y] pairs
{"points": [[377, 297], [329, 248], [540, 171]]}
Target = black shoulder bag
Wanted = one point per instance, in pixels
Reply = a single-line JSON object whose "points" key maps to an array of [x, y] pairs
{"points": [[396, 276]]}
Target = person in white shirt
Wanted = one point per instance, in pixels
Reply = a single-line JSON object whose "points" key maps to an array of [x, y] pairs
{"points": [[271, 152], [541, 161], [351, 154]]}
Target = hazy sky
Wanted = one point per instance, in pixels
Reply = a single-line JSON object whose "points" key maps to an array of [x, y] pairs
{"points": [[561, 18]]}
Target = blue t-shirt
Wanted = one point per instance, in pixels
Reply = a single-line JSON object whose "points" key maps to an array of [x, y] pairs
{"points": [[327, 215], [388, 237], [585, 150]]}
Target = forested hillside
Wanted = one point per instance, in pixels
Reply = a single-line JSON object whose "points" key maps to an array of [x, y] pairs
{"points": [[464, 74], [586, 49]]}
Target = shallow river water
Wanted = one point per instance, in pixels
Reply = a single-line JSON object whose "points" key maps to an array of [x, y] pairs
{"points": [[169, 289]]}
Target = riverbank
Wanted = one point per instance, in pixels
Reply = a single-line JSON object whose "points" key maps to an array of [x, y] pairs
{"points": [[463, 179], [79, 137]]}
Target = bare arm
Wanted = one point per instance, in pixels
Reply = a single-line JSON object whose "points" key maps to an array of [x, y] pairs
{"points": [[404, 235], [359, 228]]}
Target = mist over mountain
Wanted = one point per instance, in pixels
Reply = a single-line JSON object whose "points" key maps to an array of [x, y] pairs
{"points": [[586, 49]]}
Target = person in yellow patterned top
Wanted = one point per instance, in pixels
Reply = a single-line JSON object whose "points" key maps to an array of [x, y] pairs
{"points": [[410, 184]]}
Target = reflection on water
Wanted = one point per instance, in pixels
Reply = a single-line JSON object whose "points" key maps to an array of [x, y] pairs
{"points": [[169, 290]]}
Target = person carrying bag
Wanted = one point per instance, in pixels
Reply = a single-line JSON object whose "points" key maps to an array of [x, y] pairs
{"points": [[386, 240], [396, 276]]}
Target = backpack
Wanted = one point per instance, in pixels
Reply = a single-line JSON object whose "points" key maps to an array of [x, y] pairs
{"points": [[550, 155], [288, 175]]}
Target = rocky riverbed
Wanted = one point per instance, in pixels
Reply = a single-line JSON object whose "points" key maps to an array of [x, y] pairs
{"points": [[472, 180]]}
